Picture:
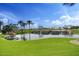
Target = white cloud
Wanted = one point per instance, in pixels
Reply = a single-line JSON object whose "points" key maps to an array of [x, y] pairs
{"points": [[35, 25], [5, 16], [47, 20], [67, 20], [5, 20], [56, 22]]}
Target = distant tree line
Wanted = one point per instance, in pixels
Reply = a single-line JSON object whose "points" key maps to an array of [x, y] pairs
{"points": [[74, 27]]}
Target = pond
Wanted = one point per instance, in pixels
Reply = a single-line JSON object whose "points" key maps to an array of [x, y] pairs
{"points": [[37, 36]]}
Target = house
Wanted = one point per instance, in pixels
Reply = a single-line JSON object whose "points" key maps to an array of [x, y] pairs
{"points": [[53, 32]]}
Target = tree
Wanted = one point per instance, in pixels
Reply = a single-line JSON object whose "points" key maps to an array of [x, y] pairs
{"points": [[29, 22], [1, 23], [22, 24], [10, 30]]}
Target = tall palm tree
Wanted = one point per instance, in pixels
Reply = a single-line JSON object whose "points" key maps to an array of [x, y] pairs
{"points": [[29, 22], [1, 23], [22, 24]]}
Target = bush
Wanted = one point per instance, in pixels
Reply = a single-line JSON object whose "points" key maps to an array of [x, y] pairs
{"points": [[23, 31]]}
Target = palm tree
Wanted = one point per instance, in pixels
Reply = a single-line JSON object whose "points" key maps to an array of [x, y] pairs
{"points": [[1, 23], [22, 24], [29, 22]]}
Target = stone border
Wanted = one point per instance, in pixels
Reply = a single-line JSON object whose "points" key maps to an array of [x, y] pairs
{"points": [[76, 42]]}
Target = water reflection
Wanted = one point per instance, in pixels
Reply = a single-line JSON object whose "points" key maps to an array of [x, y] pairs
{"points": [[37, 36]]}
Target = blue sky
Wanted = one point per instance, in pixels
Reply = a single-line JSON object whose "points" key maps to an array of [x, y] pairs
{"points": [[47, 15]]}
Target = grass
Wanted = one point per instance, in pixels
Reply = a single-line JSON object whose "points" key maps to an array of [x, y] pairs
{"points": [[42, 47], [75, 31]]}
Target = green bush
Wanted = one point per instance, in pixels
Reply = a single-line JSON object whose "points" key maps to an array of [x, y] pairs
{"points": [[23, 31]]}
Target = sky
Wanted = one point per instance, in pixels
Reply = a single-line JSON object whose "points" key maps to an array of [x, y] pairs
{"points": [[41, 14]]}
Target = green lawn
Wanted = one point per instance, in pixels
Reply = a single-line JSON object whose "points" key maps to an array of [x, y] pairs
{"points": [[42, 47], [75, 31]]}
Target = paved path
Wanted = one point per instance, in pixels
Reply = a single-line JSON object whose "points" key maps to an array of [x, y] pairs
{"points": [[76, 42]]}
